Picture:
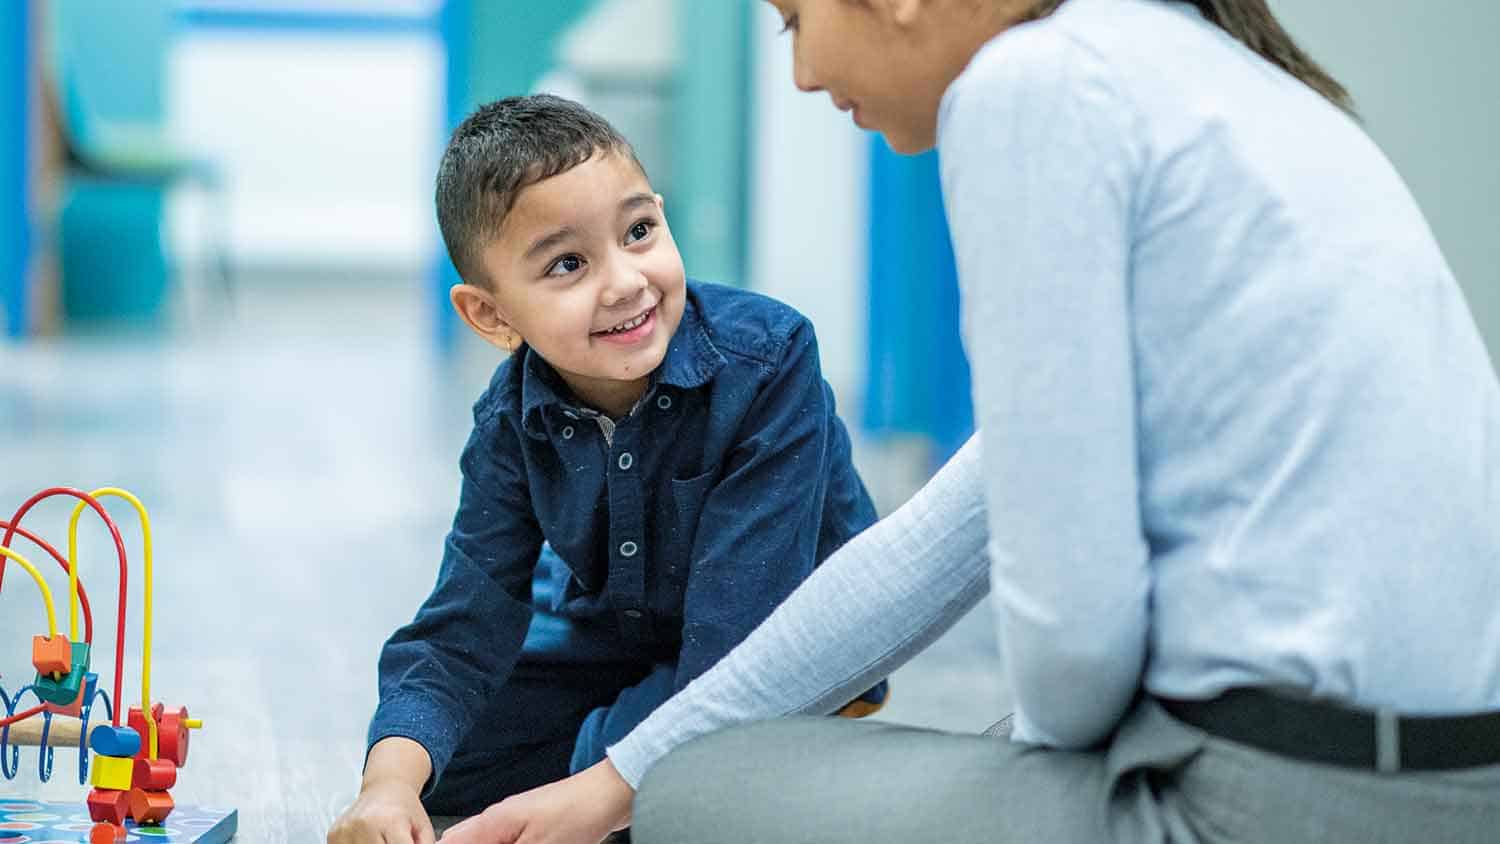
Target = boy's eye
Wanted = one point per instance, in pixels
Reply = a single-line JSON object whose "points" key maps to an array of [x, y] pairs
{"points": [[639, 231], [565, 265]]}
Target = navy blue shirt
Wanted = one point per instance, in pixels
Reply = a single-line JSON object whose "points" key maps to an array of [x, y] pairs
{"points": [[698, 514]]}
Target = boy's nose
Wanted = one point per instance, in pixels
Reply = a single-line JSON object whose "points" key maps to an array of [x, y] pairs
{"points": [[624, 285]]}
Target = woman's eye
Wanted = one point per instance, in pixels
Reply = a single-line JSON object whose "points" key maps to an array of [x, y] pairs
{"points": [[565, 265], [639, 231]]}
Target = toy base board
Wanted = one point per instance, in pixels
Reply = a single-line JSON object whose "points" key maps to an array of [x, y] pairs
{"points": [[48, 822]]}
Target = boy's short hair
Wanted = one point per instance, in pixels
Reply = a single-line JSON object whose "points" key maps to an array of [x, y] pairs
{"points": [[501, 149]]}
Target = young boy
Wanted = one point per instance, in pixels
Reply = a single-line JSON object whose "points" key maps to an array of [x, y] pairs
{"points": [[655, 466]]}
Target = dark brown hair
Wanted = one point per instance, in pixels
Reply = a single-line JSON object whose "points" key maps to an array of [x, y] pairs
{"points": [[500, 150], [1253, 24]]}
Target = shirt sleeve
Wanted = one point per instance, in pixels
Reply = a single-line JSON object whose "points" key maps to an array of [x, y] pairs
{"points": [[440, 669], [1039, 163], [758, 531], [872, 605]]}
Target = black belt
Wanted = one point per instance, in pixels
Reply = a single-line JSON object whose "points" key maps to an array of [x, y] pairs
{"points": [[1333, 734]]}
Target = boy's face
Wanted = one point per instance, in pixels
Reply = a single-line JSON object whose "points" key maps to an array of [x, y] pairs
{"points": [[586, 272]]}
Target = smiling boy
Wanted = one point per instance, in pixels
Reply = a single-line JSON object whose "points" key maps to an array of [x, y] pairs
{"points": [[653, 468]]}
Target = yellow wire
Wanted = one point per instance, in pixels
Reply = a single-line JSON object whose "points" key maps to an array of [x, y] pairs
{"points": [[42, 584], [140, 510]]}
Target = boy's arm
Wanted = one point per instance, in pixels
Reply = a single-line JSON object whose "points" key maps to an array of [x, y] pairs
{"points": [[438, 671], [608, 724], [758, 532]]}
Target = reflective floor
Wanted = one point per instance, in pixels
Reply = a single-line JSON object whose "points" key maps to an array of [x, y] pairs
{"points": [[297, 450]]}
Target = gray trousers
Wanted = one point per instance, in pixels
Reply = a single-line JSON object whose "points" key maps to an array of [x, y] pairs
{"points": [[835, 781]]}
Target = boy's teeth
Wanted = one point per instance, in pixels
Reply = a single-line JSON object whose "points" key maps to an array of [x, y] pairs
{"points": [[626, 326]]}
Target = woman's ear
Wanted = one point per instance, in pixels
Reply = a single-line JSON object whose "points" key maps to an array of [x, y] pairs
{"points": [[478, 309]]}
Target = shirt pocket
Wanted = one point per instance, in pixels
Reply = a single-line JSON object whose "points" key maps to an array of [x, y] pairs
{"points": [[688, 496]]}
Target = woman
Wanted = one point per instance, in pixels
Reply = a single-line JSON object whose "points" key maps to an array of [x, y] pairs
{"points": [[1239, 476]]}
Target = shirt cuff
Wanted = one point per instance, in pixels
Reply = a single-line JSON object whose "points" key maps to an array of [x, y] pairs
{"points": [[424, 721], [630, 759]]}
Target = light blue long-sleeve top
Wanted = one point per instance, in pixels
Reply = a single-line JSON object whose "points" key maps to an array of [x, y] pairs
{"points": [[1239, 427]]}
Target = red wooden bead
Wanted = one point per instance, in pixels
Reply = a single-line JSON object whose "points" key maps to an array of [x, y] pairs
{"points": [[108, 805], [154, 774]]}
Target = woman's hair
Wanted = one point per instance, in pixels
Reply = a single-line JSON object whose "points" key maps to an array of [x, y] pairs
{"points": [[1251, 22]]}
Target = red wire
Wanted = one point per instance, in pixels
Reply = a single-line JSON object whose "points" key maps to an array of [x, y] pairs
{"points": [[83, 597], [22, 716], [10, 534]]}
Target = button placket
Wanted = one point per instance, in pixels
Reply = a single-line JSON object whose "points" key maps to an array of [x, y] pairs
{"points": [[627, 569]]}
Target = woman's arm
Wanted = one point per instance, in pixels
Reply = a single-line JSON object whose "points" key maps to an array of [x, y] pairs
{"points": [[1041, 162], [872, 605]]}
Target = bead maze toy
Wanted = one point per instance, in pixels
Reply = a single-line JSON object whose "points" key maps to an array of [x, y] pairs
{"points": [[136, 763]]}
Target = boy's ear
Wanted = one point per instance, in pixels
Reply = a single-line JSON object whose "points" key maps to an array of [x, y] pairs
{"points": [[479, 310]]}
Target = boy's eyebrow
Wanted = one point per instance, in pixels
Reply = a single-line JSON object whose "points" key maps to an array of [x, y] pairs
{"points": [[636, 200], [548, 241], [545, 243]]}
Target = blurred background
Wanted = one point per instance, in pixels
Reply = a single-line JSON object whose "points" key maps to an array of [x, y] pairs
{"points": [[223, 289]]}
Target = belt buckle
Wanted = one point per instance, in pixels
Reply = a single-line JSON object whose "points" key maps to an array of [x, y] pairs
{"points": [[1387, 740]]}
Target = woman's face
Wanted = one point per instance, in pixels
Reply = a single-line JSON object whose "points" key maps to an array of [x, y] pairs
{"points": [[886, 61]]}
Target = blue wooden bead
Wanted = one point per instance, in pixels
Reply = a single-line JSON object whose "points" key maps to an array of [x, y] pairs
{"points": [[108, 740]]}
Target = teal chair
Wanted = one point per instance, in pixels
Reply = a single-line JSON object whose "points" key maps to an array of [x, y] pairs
{"points": [[106, 63]]}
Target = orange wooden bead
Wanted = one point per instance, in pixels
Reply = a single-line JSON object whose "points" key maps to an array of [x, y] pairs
{"points": [[52, 655], [150, 806], [106, 833]]}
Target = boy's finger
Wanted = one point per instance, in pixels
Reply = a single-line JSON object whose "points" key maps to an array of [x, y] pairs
{"points": [[423, 831]]}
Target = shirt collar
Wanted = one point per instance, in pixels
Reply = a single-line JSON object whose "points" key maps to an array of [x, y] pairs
{"points": [[692, 360]]}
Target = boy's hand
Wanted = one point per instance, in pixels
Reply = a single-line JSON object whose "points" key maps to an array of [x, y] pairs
{"points": [[581, 809], [389, 807]]}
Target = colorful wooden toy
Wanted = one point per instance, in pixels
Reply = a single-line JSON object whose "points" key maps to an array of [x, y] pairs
{"points": [[134, 764]]}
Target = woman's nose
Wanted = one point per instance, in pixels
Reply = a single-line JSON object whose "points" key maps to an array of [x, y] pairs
{"points": [[802, 74]]}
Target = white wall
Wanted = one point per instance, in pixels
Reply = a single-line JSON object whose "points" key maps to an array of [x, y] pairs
{"points": [[808, 188], [1424, 77], [328, 143]]}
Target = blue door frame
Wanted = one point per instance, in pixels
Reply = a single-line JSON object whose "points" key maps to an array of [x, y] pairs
{"points": [[16, 190], [918, 376]]}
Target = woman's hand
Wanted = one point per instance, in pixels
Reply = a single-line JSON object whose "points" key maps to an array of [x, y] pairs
{"points": [[581, 809]]}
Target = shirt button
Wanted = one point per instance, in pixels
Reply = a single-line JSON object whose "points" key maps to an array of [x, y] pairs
{"points": [[626, 461], [632, 613], [568, 432], [664, 402], [628, 549]]}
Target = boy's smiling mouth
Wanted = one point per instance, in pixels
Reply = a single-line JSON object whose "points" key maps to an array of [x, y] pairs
{"points": [[631, 330]]}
